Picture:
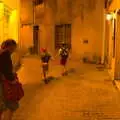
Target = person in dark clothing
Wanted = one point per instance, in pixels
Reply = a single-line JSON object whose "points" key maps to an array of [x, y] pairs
{"points": [[45, 58], [6, 65], [7, 108]]}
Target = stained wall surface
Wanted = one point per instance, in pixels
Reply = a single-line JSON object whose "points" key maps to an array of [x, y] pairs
{"points": [[86, 18]]}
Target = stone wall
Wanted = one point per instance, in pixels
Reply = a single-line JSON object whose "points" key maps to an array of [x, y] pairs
{"points": [[87, 24], [26, 11], [86, 18], [26, 31]]}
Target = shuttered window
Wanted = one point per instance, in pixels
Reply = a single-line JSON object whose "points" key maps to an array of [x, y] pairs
{"points": [[62, 34]]}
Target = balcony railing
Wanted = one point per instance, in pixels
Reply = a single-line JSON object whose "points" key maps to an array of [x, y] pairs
{"points": [[38, 2]]}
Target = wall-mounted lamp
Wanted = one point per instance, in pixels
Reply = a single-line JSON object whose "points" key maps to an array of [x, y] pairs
{"points": [[109, 16]]}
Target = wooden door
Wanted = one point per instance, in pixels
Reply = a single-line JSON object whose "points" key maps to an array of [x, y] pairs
{"points": [[36, 39]]}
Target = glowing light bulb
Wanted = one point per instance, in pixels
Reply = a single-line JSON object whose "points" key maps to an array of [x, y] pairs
{"points": [[109, 16]]}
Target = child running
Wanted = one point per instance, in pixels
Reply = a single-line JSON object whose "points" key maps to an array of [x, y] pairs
{"points": [[45, 58], [64, 54]]}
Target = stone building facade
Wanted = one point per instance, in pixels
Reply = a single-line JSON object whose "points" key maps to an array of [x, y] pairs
{"points": [[85, 17], [112, 42], [9, 20]]}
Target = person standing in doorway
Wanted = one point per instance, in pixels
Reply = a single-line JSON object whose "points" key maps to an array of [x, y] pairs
{"points": [[64, 54]]}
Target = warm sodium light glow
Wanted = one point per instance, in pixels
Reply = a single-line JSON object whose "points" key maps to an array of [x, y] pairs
{"points": [[13, 15], [1, 10], [13, 25], [109, 16], [13, 21], [1, 21]]}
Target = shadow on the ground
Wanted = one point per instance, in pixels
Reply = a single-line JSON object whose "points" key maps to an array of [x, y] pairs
{"points": [[114, 84], [71, 70], [52, 78]]}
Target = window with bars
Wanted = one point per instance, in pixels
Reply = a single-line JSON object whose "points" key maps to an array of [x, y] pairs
{"points": [[62, 35], [38, 2], [114, 37]]}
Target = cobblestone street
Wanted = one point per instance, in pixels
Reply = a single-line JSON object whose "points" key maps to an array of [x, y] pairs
{"points": [[85, 94]]}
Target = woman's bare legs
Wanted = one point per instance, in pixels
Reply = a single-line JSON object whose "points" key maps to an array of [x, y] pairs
{"points": [[1, 115], [7, 115], [45, 74], [64, 70]]}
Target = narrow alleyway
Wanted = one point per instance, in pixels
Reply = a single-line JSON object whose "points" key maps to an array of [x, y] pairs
{"points": [[85, 94]]}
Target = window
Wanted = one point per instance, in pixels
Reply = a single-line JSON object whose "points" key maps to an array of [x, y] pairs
{"points": [[62, 34]]}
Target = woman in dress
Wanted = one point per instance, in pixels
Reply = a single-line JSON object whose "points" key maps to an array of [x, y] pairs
{"points": [[7, 108]]}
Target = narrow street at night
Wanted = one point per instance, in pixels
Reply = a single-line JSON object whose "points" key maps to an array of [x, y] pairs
{"points": [[87, 93], [46, 36]]}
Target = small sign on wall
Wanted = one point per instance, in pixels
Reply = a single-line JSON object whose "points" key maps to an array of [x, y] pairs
{"points": [[85, 41]]}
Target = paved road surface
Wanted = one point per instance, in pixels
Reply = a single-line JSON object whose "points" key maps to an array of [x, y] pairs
{"points": [[85, 94]]}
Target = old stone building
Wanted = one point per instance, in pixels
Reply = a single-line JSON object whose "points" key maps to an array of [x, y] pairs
{"points": [[10, 25], [9, 20], [112, 41], [80, 23]]}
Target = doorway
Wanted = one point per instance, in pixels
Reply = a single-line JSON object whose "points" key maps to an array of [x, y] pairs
{"points": [[107, 40], [117, 52], [36, 42]]}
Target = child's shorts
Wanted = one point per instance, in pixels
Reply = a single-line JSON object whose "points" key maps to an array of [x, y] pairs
{"points": [[63, 61], [45, 67]]}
